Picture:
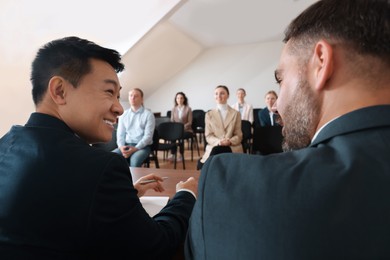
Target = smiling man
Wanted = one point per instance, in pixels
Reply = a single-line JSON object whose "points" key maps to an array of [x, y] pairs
{"points": [[327, 196], [61, 198]]}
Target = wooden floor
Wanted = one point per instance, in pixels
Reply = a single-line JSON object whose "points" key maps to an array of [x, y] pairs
{"points": [[190, 165]]}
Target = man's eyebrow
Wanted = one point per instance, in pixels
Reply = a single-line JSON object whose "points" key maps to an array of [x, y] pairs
{"points": [[113, 82], [277, 74], [110, 81]]}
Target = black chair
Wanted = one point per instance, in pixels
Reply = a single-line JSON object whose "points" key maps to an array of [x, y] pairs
{"points": [[246, 128], [256, 119], [216, 150], [172, 134], [267, 140], [192, 141], [169, 112], [198, 124], [161, 119], [158, 121], [153, 151]]}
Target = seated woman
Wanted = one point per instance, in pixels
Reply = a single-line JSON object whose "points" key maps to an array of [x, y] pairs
{"points": [[223, 125], [266, 116], [182, 113], [245, 109]]}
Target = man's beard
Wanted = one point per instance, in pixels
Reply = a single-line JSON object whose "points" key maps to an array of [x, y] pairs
{"points": [[300, 118]]}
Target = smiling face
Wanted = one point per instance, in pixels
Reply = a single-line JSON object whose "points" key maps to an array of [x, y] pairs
{"points": [[92, 108], [221, 96], [297, 104]]}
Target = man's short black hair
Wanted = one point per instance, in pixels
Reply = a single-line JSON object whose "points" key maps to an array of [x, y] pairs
{"points": [[69, 58]]}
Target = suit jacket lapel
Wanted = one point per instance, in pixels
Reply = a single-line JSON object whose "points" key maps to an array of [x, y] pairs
{"points": [[229, 117], [218, 119]]}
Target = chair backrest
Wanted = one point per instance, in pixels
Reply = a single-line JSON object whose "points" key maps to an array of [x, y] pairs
{"points": [[156, 140], [170, 131], [246, 128], [161, 119], [169, 113], [256, 119], [267, 140], [198, 119]]}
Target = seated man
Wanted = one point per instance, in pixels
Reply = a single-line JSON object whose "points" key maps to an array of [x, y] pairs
{"points": [[327, 196], [135, 130], [60, 198]]}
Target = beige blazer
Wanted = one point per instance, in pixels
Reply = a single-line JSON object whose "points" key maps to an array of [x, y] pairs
{"points": [[247, 111], [216, 130]]}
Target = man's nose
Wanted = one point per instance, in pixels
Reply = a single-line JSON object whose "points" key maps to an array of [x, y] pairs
{"points": [[117, 108], [274, 107]]}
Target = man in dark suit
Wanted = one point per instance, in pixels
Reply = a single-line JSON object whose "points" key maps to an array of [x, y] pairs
{"points": [[61, 198], [327, 196]]}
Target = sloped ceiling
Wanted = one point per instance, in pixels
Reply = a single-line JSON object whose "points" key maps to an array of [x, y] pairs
{"points": [[229, 22], [198, 25], [160, 55]]}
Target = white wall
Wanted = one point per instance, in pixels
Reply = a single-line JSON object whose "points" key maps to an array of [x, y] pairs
{"points": [[15, 92], [248, 66], [161, 54], [243, 66]]}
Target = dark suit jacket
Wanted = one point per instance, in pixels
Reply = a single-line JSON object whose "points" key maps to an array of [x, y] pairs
{"points": [[265, 119], [328, 201], [60, 198]]}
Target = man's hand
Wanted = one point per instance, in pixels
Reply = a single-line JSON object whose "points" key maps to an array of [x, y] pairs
{"points": [[143, 187], [191, 184], [127, 151]]}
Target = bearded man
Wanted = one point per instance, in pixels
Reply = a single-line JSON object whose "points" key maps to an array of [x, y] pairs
{"points": [[327, 196]]}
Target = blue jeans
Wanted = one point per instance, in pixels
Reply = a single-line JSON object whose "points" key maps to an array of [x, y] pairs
{"points": [[137, 158]]}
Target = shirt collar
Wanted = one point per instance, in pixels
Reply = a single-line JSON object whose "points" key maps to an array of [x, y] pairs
{"points": [[140, 110], [322, 127]]}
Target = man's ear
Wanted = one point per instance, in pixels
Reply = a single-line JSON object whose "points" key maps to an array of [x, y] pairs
{"points": [[57, 88], [322, 64]]}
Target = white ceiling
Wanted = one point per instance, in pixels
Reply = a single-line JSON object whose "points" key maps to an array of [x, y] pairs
{"points": [[227, 22], [175, 42], [25, 25]]}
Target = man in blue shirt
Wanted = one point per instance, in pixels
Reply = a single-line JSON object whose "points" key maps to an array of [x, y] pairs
{"points": [[135, 130]]}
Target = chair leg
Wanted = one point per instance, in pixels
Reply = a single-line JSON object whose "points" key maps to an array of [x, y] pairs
{"points": [[156, 160], [202, 135], [196, 143], [184, 165], [192, 148], [175, 159], [182, 155]]}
